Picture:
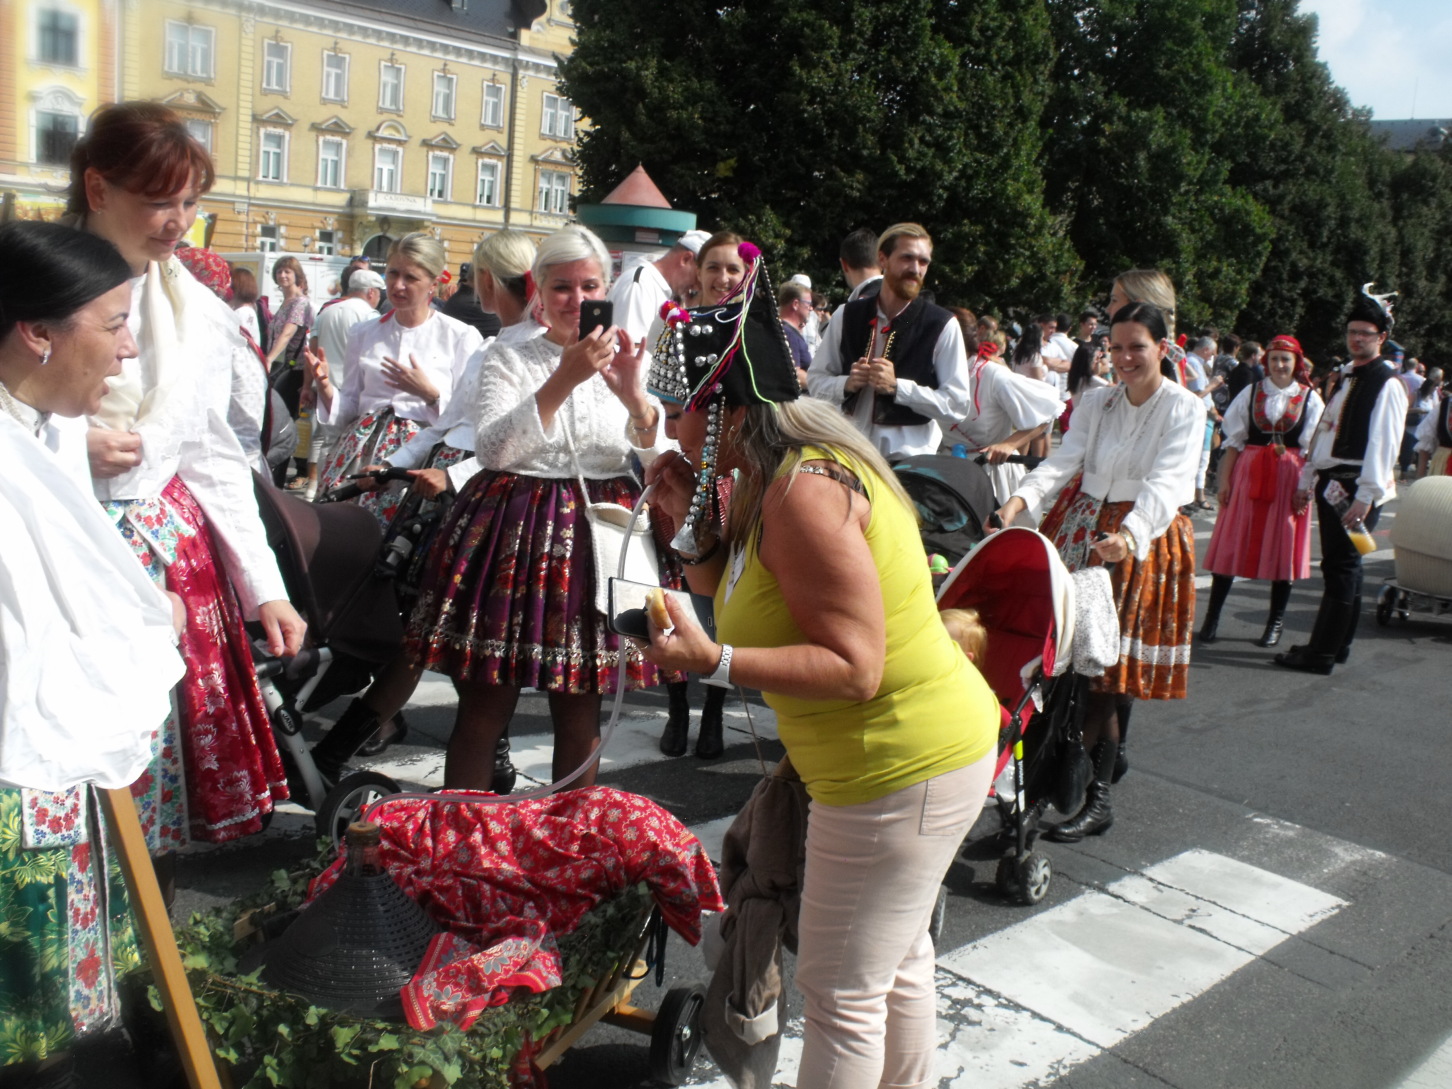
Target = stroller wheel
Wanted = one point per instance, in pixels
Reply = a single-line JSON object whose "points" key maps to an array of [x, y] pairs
{"points": [[349, 800], [675, 1038], [1026, 879], [1384, 606]]}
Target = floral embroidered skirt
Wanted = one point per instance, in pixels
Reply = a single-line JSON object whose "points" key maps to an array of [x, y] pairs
{"points": [[1155, 597], [373, 439], [509, 594], [216, 771], [65, 925], [1257, 534]]}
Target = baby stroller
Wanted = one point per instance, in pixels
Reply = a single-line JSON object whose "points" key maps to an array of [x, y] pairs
{"points": [[327, 556], [1025, 601], [1422, 538], [953, 497]]}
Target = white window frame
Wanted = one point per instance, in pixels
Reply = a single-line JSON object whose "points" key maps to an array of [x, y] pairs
{"points": [[448, 84], [557, 118], [77, 35], [554, 192], [383, 84], [276, 70], [269, 240], [342, 161], [491, 113], [201, 130], [328, 247], [494, 169], [263, 152], [199, 57], [396, 153], [327, 55], [441, 165]]}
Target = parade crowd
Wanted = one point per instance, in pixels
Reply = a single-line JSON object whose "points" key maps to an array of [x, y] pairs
{"points": [[145, 387]]}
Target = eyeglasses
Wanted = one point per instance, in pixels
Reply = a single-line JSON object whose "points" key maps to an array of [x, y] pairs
{"points": [[1363, 333]]}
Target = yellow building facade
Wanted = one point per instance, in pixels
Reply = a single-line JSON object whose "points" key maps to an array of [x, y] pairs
{"points": [[335, 127]]}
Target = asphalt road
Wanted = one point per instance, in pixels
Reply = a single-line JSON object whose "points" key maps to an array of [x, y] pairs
{"points": [[1270, 909]]}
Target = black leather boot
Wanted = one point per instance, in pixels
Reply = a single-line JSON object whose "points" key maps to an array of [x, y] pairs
{"points": [[355, 726], [1219, 591], [709, 743], [678, 722], [505, 773], [1327, 637], [1093, 820], [1122, 708], [1280, 596]]}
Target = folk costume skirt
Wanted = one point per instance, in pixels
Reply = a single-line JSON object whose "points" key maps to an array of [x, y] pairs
{"points": [[1258, 534], [373, 439], [509, 597], [1155, 597], [216, 771]]}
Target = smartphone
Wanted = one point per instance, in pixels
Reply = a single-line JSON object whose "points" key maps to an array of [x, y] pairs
{"points": [[627, 608], [596, 314]]}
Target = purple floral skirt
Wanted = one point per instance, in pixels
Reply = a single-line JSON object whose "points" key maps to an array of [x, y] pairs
{"points": [[509, 593]]}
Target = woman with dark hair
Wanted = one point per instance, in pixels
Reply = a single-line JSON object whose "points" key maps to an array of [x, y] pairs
{"points": [[1434, 433], [247, 304], [89, 651], [1118, 482], [1027, 361], [1261, 532], [287, 335], [171, 475]]}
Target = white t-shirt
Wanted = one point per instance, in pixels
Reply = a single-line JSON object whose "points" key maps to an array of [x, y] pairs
{"points": [[332, 328]]}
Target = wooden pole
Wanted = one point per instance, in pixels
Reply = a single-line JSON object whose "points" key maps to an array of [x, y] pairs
{"points": [[158, 940]]}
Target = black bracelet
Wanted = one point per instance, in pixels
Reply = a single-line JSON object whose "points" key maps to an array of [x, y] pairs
{"points": [[704, 556]]}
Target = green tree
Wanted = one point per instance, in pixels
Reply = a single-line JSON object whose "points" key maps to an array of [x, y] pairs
{"points": [[1420, 203], [795, 123]]}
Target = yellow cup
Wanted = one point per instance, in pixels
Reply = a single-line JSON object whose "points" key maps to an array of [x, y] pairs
{"points": [[1362, 540]]}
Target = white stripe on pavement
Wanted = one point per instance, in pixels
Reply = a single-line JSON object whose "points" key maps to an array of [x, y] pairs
{"points": [[1433, 1073]]}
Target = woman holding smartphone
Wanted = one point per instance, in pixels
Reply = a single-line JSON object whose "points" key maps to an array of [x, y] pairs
{"points": [[509, 599]]}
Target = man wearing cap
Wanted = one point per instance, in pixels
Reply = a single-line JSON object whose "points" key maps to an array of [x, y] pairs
{"points": [[463, 305], [358, 303], [1350, 472], [638, 295]]}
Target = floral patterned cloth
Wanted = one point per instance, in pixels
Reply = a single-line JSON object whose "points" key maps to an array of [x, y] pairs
{"points": [[372, 440], [506, 877]]}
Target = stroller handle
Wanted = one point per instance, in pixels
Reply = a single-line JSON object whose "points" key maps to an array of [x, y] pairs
{"points": [[1026, 460], [345, 492]]}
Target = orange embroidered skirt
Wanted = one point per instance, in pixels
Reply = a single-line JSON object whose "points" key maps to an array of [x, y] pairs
{"points": [[1155, 598]]}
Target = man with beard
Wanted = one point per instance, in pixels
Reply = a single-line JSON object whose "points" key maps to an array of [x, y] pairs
{"points": [[895, 363]]}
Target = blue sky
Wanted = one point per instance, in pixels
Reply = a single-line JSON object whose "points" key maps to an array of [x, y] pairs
{"points": [[1391, 55]]}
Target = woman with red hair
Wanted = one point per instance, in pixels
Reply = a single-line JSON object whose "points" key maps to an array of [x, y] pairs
{"points": [[172, 477], [1261, 532]]}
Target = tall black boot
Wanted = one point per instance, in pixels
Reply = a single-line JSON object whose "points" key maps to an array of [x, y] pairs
{"points": [[1280, 597], [1094, 817], [678, 722], [1219, 591], [1327, 637], [505, 773], [353, 728], [709, 743], [1122, 708]]}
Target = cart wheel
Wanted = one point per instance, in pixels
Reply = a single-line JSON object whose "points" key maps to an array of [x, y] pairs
{"points": [[676, 1038], [940, 913], [1033, 875], [349, 800], [1384, 606], [1404, 605]]}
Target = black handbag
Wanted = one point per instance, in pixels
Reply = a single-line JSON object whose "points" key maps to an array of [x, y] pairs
{"points": [[1072, 774]]}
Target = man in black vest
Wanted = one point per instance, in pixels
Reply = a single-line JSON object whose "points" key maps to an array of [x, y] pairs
{"points": [[895, 362], [1351, 470]]}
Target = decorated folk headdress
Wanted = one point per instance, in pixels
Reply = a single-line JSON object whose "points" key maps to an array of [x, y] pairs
{"points": [[1284, 343], [1374, 309]]}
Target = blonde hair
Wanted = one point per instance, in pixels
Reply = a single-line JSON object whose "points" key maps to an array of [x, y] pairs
{"points": [[506, 255], [1152, 286], [423, 249], [772, 440], [888, 238], [967, 631]]}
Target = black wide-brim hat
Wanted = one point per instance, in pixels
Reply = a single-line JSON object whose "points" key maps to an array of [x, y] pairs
{"points": [[1374, 309], [736, 350]]}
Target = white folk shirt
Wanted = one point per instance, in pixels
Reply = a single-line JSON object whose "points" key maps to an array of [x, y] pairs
{"points": [[442, 346], [335, 322], [1236, 424], [186, 432], [943, 406], [510, 437], [456, 426], [1376, 483], [1426, 434], [637, 297], [1148, 455], [1001, 403]]}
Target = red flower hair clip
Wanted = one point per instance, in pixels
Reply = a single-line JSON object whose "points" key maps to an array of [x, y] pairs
{"points": [[674, 315]]}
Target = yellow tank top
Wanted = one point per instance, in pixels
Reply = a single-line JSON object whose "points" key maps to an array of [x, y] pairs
{"points": [[933, 712]]}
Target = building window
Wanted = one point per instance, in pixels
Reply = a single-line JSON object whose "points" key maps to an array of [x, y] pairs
{"points": [[59, 38], [488, 191], [559, 117], [387, 166], [493, 116], [276, 66], [189, 50], [554, 192], [330, 162], [267, 238], [55, 135], [441, 167], [390, 86], [327, 243], [335, 77], [443, 96], [201, 132], [273, 163]]}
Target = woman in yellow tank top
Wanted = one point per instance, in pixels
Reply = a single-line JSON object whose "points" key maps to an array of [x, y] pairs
{"points": [[824, 603]]}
